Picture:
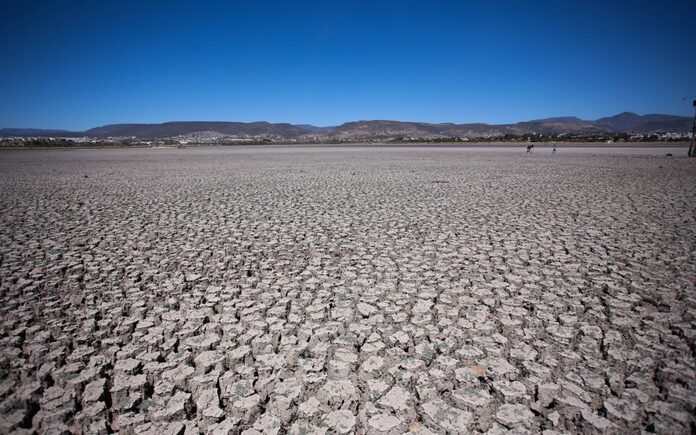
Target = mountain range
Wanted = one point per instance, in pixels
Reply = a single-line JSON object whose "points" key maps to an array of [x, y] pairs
{"points": [[357, 130]]}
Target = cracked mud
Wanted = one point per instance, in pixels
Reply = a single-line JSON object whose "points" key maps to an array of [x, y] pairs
{"points": [[346, 290]]}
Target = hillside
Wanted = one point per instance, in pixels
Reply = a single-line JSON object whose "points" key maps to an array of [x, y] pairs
{"points": [[374, 129], [170, 129], [628, 121], [28, 132]]}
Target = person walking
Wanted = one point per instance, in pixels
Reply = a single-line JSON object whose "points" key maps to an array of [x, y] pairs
{"points": [[553, 150]]}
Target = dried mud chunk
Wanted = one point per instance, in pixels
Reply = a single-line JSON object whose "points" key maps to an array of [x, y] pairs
{"points": [[173, 428], [338, 392], [372, 364], [310, 407], [512, 391], [445, 417], [301, 427], [127, 390], [385, 423], [341, 421], [510, 415], [179, 375], [600, 423], [246, 408], [268, 424], [621, 409], [500, 367], [129, 366], [94, 391], [207, 361], [229, 426], [366, 310], [469, 375], [397, 399], [471, 397], [9, 422], [290, 388], [178, 407], [94, 414]]}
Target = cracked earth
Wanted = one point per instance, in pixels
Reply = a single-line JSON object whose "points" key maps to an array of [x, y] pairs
{"points": [[345, 290]]}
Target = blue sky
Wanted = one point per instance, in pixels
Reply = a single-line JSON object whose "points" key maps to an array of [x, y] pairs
{"points": [[80, 64]]}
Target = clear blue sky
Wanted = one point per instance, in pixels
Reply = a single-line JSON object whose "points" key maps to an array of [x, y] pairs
{"points": [[80, 64]]}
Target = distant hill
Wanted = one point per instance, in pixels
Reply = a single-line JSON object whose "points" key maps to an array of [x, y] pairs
{"points": [[559, 126], [628, 121], [560, 119], [312, 128], [374, 129], [385, 129], [171, 129], [37, 132]]}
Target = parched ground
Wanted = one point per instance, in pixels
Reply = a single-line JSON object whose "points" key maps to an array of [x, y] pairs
{"points": [[346, 290]]}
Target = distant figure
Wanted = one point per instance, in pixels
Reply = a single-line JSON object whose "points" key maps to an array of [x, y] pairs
{"points": [[553, 150], [529, 148]]}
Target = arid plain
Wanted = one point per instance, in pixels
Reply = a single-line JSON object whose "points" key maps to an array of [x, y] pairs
{"points": [[327, 290]]}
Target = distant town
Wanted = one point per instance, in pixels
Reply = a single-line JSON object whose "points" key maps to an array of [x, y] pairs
{"points": [[203, 139]]}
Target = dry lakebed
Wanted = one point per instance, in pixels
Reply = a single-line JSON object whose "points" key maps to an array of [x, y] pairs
{"points": [[355, 289]]}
